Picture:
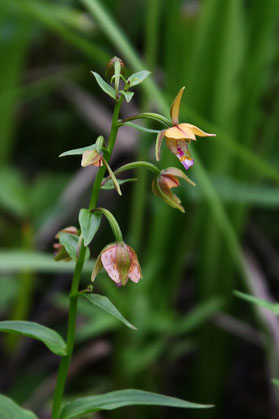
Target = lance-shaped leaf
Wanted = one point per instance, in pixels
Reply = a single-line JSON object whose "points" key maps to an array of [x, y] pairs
{"points": [[49, 337], [121, 398], [108, 183], [139, 127], [151, 116], [78, 151], [10, 410], [104, 85], [71, 243], [128, 95], [113, 178], [105, 304], [138, 77], [89, 224]]}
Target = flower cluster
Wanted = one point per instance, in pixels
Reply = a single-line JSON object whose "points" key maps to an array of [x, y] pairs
{"points": [[118, 259]]}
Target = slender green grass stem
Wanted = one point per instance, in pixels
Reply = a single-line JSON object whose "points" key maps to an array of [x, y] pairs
{"points": [[66, 360]]}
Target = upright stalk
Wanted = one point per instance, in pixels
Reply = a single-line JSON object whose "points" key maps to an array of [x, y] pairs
{"points": [[73, 297]]}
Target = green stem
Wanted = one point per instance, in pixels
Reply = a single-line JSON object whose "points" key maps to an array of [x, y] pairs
{"points": [[65, 361], [101, 172]]}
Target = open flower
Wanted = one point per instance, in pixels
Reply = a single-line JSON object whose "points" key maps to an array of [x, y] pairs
{"points": [[91, 158], [167, 180], [60, 251], [179, 135], [121, 263]]}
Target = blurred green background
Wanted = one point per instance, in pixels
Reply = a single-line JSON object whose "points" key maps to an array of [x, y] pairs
{"points": [[196, 339]]}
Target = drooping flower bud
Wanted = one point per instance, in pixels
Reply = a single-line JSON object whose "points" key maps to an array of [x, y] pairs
{"points": [[60, 251], [121, 263], [165, 181], [92, 158], [110, 67]]}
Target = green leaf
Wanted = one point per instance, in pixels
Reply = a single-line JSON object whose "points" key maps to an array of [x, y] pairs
{"points": [[138, 77], [121, 398], [104, 85], [10, 410], [78, 151], [275, 381], [89, 224], [70, 242], [49, 337], [128, 95], [105, 304], [259, 302], [109, 183], [151, 116], [140, 127]]}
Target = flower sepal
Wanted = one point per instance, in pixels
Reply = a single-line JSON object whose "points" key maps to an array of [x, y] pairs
{"points": [[163, 183]]}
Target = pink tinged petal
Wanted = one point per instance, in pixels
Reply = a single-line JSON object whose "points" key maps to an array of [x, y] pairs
{"points": [[169, 180], [175, 107], [195, 130], [174, 172], [159, 140], [167, 195], [135, 270], [108, 258]]}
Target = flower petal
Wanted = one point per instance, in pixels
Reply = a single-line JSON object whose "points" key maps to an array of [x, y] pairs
{"points": [[175, 107], [167, 195], [180, 132], [135, 270], [195, 130], [174, 172], [184, 158], [159, 140], [91, 158], [108, 258]]}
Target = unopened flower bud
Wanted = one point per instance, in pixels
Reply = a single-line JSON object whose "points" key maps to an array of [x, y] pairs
{"points": [[110, 67], [121, 263]]}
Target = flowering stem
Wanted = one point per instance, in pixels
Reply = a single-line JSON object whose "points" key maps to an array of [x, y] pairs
{"points": [[73, 297], [101, 172]]}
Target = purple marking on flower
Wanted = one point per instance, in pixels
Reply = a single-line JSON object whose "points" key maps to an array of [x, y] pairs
{"points": [[187, 162]]}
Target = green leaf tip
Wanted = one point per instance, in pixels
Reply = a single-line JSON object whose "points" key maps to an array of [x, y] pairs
{"points": [[104, 85], [49, 337], [121, 398], [105, 304]]}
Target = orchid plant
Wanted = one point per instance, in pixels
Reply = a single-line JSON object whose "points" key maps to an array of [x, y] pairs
{"points": [[117, 258]]}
